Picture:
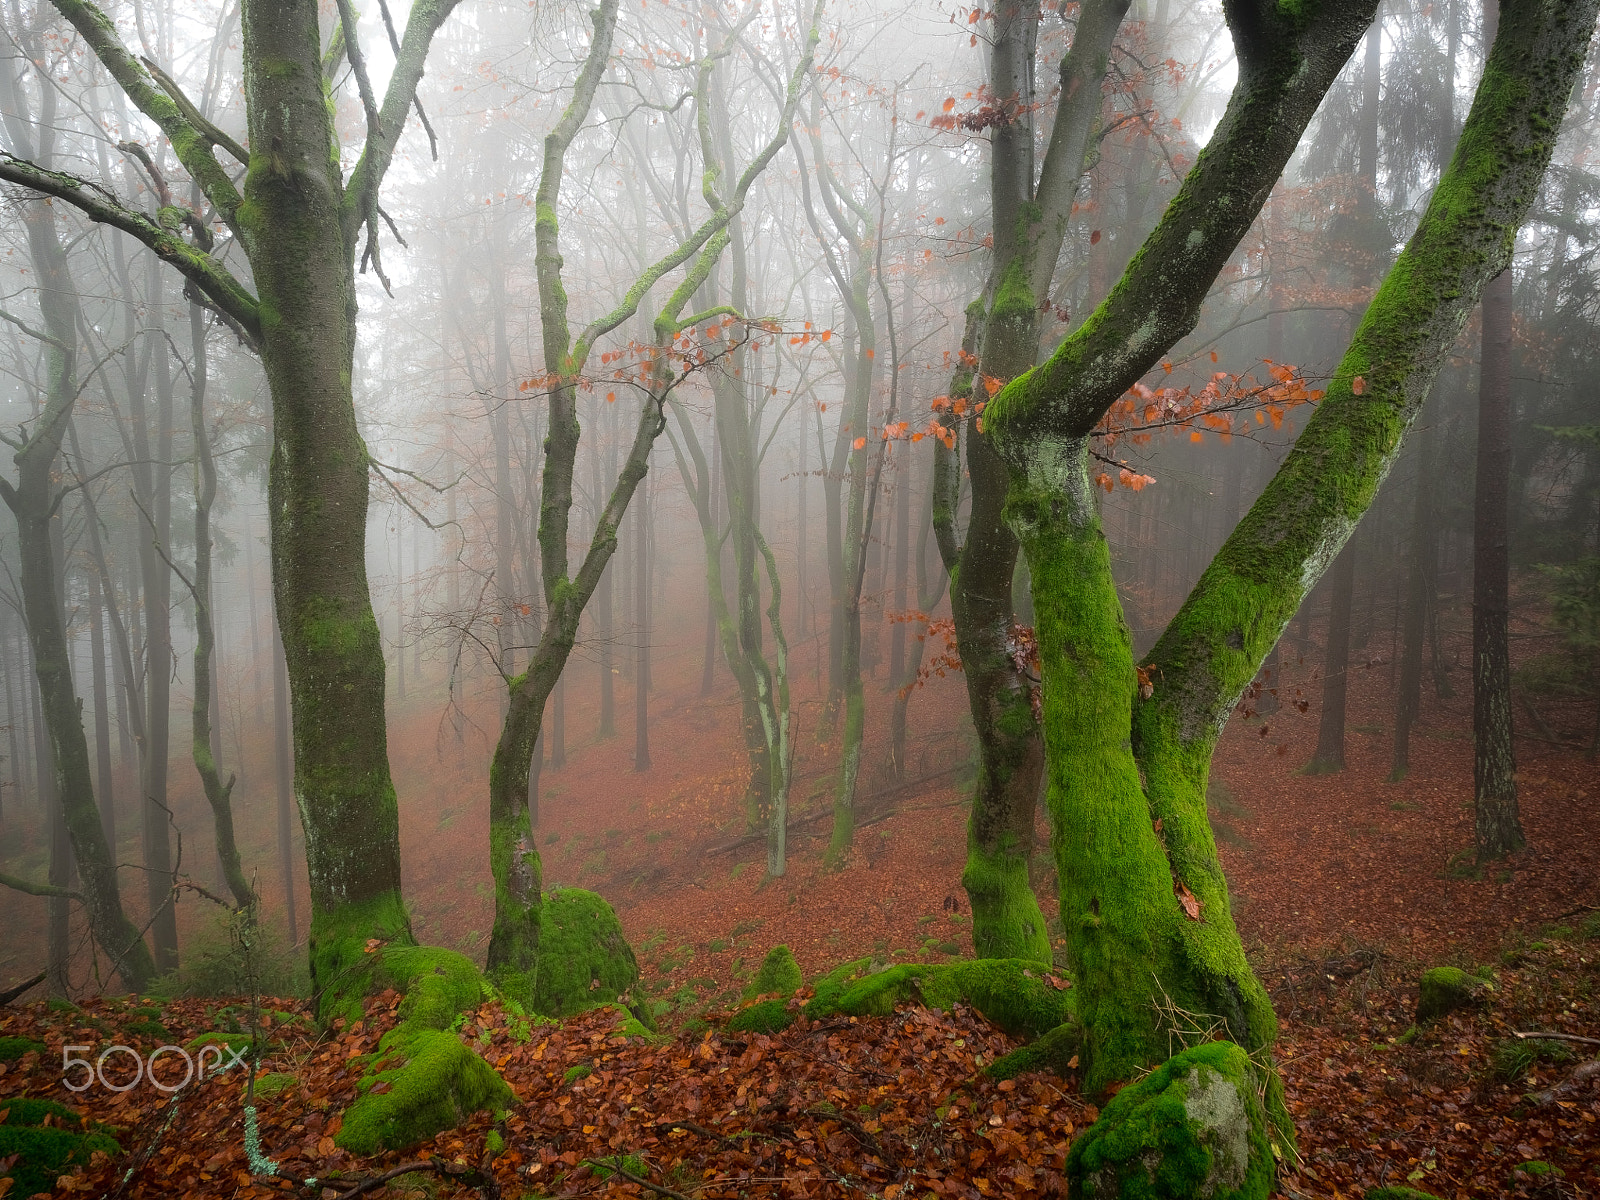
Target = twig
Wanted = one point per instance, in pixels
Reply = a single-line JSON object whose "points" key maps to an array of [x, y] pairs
{"points": [[1563, 1037]]}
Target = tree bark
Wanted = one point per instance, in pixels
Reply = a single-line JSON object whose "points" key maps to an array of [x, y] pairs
{"points": [[1497, 824]]}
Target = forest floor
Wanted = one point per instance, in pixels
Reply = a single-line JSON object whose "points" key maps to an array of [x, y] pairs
{"points": [[1345, 887]]}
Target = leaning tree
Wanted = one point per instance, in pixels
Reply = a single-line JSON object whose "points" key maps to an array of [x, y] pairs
{"points": [[297, 219]]}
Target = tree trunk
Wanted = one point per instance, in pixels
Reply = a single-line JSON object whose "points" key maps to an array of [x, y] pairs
{"points": [[1329, 756], [104, 783], [219, 794], [154, 485], [283, 774], [1419, 583], [641, 624], [1497, 825]]}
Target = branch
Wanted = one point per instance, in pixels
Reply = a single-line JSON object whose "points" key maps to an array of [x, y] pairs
{"points": [[361, 197], [200, 268], [38, 889], [190, 142], [194, 116], [416, 101], [1249, 593], [1286, 65]]}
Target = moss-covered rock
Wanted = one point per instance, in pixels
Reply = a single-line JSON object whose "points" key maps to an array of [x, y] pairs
{"points": [[1013, 993], [1056, 1052], [13, 1048], [1192, 1128], [584, 960], [779, 975], [437, 1083], [1444, 990], [769, 1016], [44, 1152]]}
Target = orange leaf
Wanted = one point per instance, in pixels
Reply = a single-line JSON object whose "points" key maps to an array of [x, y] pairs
{"points": [[1196, 436], [1213, 356], [1094, 238], [859, 442], [1358, 385], [949, 103]]}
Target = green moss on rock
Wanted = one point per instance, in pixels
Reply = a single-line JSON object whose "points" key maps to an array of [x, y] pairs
{"points": [[1193, 1127], [438, 984], [1056, 1052], [769, 1016], [438, 1084], [584, 960], [779, 975], [1444, 990]]}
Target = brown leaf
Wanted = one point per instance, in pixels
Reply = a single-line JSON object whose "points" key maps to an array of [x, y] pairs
{"points": [[1186, 899]]}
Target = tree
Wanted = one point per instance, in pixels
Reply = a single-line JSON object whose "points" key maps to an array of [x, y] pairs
{"points": [[297, 219], [514, 944], [1128, 746]]}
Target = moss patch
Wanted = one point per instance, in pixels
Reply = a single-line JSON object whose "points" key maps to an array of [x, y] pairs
{"points": [[1192, 1127], [1056, 1052], [832, 987], [779, 975], [1444, 990], [769, 1016], [44, 1152], [584, 960], [438, 1084], [13, 1048], [1013, 993]]}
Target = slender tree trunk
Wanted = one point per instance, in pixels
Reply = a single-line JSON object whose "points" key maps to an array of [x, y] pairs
{"points": [[219, 794], [104, 782], [902, 574], [641, 622], [1494, 766], [283, 774], [1329, 756], [1419, 582]]}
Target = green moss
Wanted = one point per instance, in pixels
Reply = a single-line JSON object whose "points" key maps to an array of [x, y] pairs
{"points": [[1006, 919], [1398, 1193], [1012, 993], [13, 1048], [439, 1083], [1056, 1052], [234, 1041], [1192, 1127], [779, 975], [438, 984], [343, 965], [1444, 990], [273, 1085], [579, 1071], [830, 989], [43, 1153], [631, 1163], [584, 959], [153, 1030], [769, 1016]]}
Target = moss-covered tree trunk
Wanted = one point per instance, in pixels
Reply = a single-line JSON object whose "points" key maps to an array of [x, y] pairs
{"points": [[1144, 902], [1032, 212]]}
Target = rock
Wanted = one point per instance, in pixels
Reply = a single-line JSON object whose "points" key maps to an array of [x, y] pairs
{"points": [[1193, 1129], [584, 960], [779, 975], [769, 1016], [1444, 990]]}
